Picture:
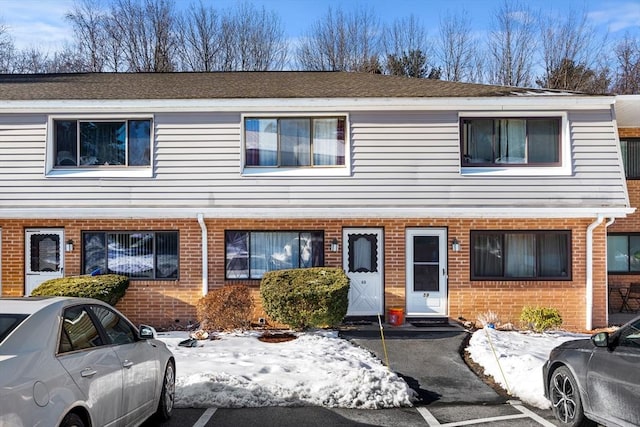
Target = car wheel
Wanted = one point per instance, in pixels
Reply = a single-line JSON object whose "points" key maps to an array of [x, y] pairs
{"points": [[72, 420], [167, 396], [565, 399]]}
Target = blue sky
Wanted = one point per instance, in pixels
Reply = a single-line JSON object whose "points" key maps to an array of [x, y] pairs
{"points": [[41, 23]]}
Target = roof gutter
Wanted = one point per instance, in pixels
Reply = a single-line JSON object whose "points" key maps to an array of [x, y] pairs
{"points": [[205, 255], [589, 290]]}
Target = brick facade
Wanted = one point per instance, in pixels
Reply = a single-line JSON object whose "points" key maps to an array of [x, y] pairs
{"points": [[162, 302], [629, 224]]}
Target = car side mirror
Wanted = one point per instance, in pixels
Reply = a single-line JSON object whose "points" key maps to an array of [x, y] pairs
{"points": [[147, 332], [601, 339]]}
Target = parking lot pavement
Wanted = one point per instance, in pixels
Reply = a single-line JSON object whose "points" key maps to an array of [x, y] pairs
{"points": [[429, 360], [436, 415]]}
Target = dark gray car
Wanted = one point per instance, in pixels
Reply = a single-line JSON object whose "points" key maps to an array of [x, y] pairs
{"points": [[596, 379]]}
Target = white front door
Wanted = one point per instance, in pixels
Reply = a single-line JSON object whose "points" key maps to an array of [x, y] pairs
{"points": [[363, 262], [426, 272], [44, 256]]}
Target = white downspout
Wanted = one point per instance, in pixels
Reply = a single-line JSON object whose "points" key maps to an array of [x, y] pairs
{"points": [[606, 299], [205, 255], [590, 228]]}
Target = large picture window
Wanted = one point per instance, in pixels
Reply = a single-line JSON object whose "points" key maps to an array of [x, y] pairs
{"points": [[137, 254], [93, 143], [630, 149], [249, 254], [294, 142], [520, 255], [623, 253], [510, 141]]}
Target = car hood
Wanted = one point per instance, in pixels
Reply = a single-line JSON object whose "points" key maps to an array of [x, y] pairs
{"points": [[576, 344]]}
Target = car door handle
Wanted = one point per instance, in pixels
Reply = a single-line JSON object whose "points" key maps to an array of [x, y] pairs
{"points": [[127, 364], [88, 372]]}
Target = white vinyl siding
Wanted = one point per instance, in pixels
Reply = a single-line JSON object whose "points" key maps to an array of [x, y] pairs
{"points": [[397, 159]]}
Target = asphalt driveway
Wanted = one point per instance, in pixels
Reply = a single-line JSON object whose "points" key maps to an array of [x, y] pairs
{"points": [[429, 361]]}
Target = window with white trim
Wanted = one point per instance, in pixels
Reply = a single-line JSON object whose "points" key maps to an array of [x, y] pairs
{"points": [[294, 142], [112, 143], [511, 141]]}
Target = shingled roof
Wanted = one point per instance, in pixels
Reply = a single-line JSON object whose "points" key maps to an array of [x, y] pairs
{"points": [[238, 85]]}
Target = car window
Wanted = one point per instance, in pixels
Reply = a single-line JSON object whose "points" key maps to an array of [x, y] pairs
{"points": [[78, 331], [630, 336], [8, 322], [118, 330]]}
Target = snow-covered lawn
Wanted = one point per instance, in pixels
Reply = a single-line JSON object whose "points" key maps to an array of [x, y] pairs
{"points": [[521, 356], [319, 368]]}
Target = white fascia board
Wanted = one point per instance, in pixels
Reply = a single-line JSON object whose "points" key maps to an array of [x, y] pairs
{"points": [[311, 213], [517, 103]]}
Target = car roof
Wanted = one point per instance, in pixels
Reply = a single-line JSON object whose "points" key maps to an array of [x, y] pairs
{"points": [[30, 305]]}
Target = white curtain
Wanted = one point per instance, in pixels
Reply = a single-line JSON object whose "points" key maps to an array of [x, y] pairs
{"points": [[327, 148], [295, 142], [520, 260], [362, 254]]}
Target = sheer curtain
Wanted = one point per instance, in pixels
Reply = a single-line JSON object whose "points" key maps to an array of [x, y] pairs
{"points": [[553, 255], [328, 141], [295, 142], [488, 256], [273, 251], [512, 137], [521, 250]]}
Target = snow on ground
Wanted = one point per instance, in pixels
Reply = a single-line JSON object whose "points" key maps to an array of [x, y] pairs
{"points": [[316, 369], [321, 369], [521, 356]]}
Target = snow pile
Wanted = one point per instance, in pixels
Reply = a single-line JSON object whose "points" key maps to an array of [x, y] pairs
{"points": [[316, 369], [521, 357]]}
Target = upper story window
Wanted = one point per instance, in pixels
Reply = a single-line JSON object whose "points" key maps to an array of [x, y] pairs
{"points": [[101, 143], [294, 142], [511, 141], [630, 149]]}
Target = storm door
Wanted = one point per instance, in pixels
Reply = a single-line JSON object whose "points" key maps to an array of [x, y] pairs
{"points": [[363, 262], [44, 256], [426, 275]]}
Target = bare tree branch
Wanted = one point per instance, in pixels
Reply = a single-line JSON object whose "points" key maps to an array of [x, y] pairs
{"points": [[456, 47], [512, 44], [341, 42]]}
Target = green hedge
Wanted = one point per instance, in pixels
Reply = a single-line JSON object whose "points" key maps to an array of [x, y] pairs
{"points": [[108, 288], [306, 297]]}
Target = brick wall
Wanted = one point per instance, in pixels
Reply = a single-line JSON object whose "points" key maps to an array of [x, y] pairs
{"points": [[629, 224], [161, 303]]}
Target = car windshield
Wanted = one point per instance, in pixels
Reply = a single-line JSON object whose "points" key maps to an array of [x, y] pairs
{"points": [[8, 322]]}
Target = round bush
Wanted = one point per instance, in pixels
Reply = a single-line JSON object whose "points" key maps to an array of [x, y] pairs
{"points": [[306, 297]]}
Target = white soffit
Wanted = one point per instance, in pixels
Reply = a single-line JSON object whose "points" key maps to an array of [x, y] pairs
{"points": [[628, 110]]}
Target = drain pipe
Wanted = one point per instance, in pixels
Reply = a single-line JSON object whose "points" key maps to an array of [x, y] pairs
{"points": [[606, 298], [205, 255], [590, 228]]}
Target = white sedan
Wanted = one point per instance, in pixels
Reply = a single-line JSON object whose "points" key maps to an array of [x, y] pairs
{"points": [[79, 362]]}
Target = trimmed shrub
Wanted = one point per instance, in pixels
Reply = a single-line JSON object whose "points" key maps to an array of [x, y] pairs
{"points": [[540, 319], [108, 287], [306, 297], [226, 308]]}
